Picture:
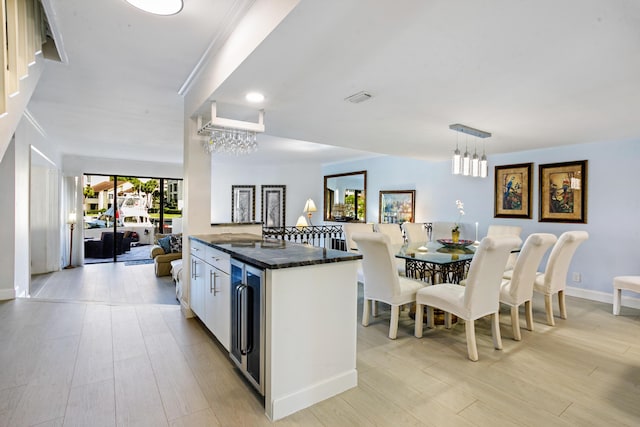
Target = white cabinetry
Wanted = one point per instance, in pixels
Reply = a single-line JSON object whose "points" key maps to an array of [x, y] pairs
{"points": [[210, 287], [198, 271], [217, 296]]}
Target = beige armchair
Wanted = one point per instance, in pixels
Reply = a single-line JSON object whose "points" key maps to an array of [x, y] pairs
{"points": [[161, 259]]}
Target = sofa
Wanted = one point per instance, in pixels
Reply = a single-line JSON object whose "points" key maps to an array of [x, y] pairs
{"points": [[103, 248], [162, 256]]}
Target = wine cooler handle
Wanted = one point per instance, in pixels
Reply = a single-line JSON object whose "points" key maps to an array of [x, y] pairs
{"points": [[245, 320]]}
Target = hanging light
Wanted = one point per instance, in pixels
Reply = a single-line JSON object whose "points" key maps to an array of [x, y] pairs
{"points": [[455, 160], [467, 165], [483, 165], [466, 162], [475, 164]]}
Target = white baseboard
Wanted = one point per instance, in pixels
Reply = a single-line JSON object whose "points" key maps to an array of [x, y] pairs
{"points": [[286, 405], [6, 294], [599, 296], [185, 309]]}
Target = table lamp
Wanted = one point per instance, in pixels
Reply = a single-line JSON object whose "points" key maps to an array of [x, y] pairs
{"points": [[310, 208], [302, 221]]}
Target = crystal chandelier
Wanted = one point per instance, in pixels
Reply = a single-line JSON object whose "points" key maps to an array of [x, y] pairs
{"points": [[467, 165], [227, 136], [231, 141]]}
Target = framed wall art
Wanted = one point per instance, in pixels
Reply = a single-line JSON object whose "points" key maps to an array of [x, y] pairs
{"points": [[397, 206], [563, 192], [512, 198], [243, 206], [273, 205]]}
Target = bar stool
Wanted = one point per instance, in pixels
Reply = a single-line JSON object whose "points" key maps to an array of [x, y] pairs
{"points": [[631, 283]]}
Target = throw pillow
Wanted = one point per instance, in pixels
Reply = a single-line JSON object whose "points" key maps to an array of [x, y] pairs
{"points": [[176, 243], [165, 244]]}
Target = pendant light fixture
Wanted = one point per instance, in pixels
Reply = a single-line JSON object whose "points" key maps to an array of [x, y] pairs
{"points": [[474, 166], [456, 167], [466, 161]]}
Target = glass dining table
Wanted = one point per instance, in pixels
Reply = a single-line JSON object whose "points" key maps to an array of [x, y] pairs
{"points": [[436, 263]]}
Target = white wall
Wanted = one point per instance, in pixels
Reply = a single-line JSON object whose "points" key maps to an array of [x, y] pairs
{"points": [[78, 165], [302, 180], [613, 203], [7, 221]]}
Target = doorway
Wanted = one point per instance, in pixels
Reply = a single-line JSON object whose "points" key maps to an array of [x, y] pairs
{"points": [[122, 216]]}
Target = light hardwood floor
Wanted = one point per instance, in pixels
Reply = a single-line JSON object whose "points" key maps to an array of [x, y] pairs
{"points": [[119, 363]]}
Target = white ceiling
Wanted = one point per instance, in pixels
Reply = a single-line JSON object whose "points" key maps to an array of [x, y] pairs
{"points": [[534, 73]]}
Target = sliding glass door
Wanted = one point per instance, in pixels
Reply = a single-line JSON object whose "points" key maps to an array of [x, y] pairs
{"points": [[123, 215]]}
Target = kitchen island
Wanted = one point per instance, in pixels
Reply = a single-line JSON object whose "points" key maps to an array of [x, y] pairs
{"points": [[306, 300]]}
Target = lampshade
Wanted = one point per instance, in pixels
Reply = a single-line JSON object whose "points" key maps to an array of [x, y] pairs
{"points": [[483, 166], [72, 218], [466, 163], [455, 162], [309, 206], [302, 221], [475, 165]]}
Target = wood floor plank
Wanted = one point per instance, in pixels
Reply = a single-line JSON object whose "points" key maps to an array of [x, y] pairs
{"points": [[180, 392], [138, 401], [95, 354], [127, 336], [91, 405], [168, 369], [198, 419]]}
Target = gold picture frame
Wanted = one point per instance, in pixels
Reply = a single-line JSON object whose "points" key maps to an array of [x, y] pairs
{"points": [[563, 192], [397, 206], [512, 197]]}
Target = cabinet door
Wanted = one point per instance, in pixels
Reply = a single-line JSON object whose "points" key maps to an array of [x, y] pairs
{"points": [[221, 314], [196, 297]]}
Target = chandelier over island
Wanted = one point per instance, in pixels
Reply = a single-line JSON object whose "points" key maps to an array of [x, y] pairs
{"points": [[230, 136], [467, 165]]}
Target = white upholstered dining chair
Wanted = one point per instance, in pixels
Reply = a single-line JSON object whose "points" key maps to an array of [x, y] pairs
{"points": [[354, 227], [519, 289], [479, 298], [495, 230], [393, 231], [415, 232], [441, 230], [554, 278], [396, 240], [349, 229], [381, 280]]}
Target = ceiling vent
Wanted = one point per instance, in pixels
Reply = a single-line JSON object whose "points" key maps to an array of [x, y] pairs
{"points": [[358, 97]]}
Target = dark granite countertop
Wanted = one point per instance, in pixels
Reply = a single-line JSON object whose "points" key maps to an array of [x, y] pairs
{"points": [[272, 253]]}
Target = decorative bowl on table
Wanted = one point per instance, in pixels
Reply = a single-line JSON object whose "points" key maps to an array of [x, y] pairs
{"points": [[448, 243]]}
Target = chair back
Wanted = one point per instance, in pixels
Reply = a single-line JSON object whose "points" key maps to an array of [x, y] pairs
{"points": [[524, 272], [441, 230], [351, 228], [555, 275], [415, 232], [504, 230], [482, 291], [378, 265], [393, 231]]}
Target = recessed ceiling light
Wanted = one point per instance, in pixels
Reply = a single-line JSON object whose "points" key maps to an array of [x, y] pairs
{"points": [[158, 7], [254, 97]]}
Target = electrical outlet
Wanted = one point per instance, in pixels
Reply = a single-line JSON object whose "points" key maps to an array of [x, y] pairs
{"points": [[576, 277]]}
